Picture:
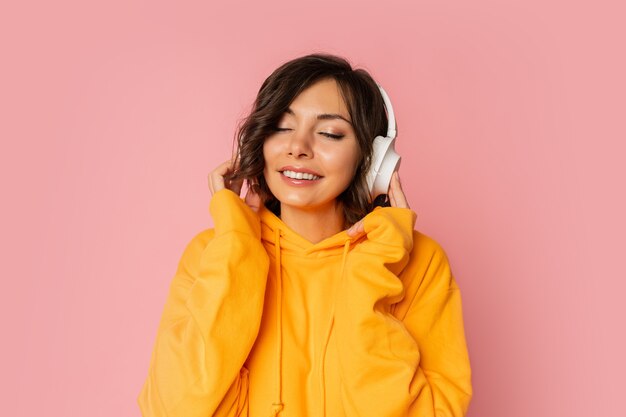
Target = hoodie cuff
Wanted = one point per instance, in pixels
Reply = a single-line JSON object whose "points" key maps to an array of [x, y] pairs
{"points": [[391, 225], [230, 213]]}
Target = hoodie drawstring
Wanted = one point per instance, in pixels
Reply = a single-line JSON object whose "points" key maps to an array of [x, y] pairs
{"points": [[346, 247], [277, 405]]}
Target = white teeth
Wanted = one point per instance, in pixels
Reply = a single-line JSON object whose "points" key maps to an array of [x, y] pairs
{"points": [[300, 175]]}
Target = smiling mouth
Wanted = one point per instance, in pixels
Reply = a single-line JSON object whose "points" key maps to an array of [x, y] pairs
{"points": [[300, 175]]}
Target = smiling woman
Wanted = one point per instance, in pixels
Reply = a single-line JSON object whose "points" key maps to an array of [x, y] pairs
{"points": [[306, 145], [307, 298], [323, 93]]}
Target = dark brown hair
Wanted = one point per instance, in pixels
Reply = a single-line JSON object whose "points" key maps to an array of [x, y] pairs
{"points": [[365, 106]]}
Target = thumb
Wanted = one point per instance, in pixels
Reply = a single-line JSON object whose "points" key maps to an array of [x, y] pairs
{"points": [[356, 229]]}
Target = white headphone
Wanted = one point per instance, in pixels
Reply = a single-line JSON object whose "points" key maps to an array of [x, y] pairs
{"points": [[385, 160]]}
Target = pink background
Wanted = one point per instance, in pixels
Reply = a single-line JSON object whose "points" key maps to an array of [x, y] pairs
{"points": [[511, 122]]}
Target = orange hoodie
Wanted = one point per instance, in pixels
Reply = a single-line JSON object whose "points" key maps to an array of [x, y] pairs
{"points": [[261, 322]]}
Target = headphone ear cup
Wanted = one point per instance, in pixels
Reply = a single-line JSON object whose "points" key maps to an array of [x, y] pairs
{"points": [[377, 156], [385, 161]]}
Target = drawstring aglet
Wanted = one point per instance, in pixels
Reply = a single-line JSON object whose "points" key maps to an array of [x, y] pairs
{"points": [[278, 407]]}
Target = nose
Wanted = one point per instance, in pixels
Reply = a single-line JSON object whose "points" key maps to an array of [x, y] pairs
{"points": [[300, 144]]}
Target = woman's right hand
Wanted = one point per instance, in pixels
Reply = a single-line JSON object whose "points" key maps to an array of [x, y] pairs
{"points": [[217, 182]]}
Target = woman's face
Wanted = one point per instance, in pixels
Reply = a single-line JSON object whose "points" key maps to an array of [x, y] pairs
{"points": [[312, 157]]}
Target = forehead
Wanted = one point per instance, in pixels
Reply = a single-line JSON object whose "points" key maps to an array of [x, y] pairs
{"points": [[322, 97]]}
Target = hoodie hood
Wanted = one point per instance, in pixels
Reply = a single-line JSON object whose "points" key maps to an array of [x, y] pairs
{"points": [[292, 242]]}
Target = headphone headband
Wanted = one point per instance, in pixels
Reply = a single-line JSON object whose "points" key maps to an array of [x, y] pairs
{"points": [[391, 125]]}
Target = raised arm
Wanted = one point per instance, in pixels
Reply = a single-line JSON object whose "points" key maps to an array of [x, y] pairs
{"points": [[210, 320], [399, 325]]}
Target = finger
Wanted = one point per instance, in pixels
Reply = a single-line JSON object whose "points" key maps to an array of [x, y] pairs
{"points": [[216, 182], [220, 170], [216, 177], [356, 229], [405, 202], [400, 198], [398, 194], [392, 197], [210, 183]]}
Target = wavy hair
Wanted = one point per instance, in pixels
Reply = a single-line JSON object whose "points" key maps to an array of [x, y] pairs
{"points": [[365, 106]]}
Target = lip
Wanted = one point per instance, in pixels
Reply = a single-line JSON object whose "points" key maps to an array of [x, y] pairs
{"points": [[296, 182], [297, 169]]}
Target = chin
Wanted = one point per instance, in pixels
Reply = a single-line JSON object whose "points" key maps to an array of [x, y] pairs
{"points": [[304, 204], [303, 198], [295, 202]]}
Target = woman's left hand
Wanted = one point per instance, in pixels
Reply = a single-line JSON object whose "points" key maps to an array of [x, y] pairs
{"points": [[396, 198]]}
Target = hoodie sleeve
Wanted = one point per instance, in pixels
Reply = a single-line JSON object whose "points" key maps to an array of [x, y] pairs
{"points": [[415, 365], [210, 320]]}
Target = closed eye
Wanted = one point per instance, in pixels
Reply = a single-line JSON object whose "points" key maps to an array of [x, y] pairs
{"points": [[329, 135]]}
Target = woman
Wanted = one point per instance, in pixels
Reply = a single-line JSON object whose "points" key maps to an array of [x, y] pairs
{"points": [[305, 299]]}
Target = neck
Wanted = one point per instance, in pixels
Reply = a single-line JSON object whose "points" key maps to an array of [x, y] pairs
{"points": [[316, 224]]}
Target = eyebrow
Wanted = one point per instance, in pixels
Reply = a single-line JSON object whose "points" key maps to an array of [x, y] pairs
{"points": [[324, 116]]}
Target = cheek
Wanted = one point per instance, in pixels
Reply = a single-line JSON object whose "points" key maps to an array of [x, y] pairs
{"points": [[350, 160], [343, 165], [270, 150], [355, 162], [338, 157], [267, 157], [266, 161]]}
